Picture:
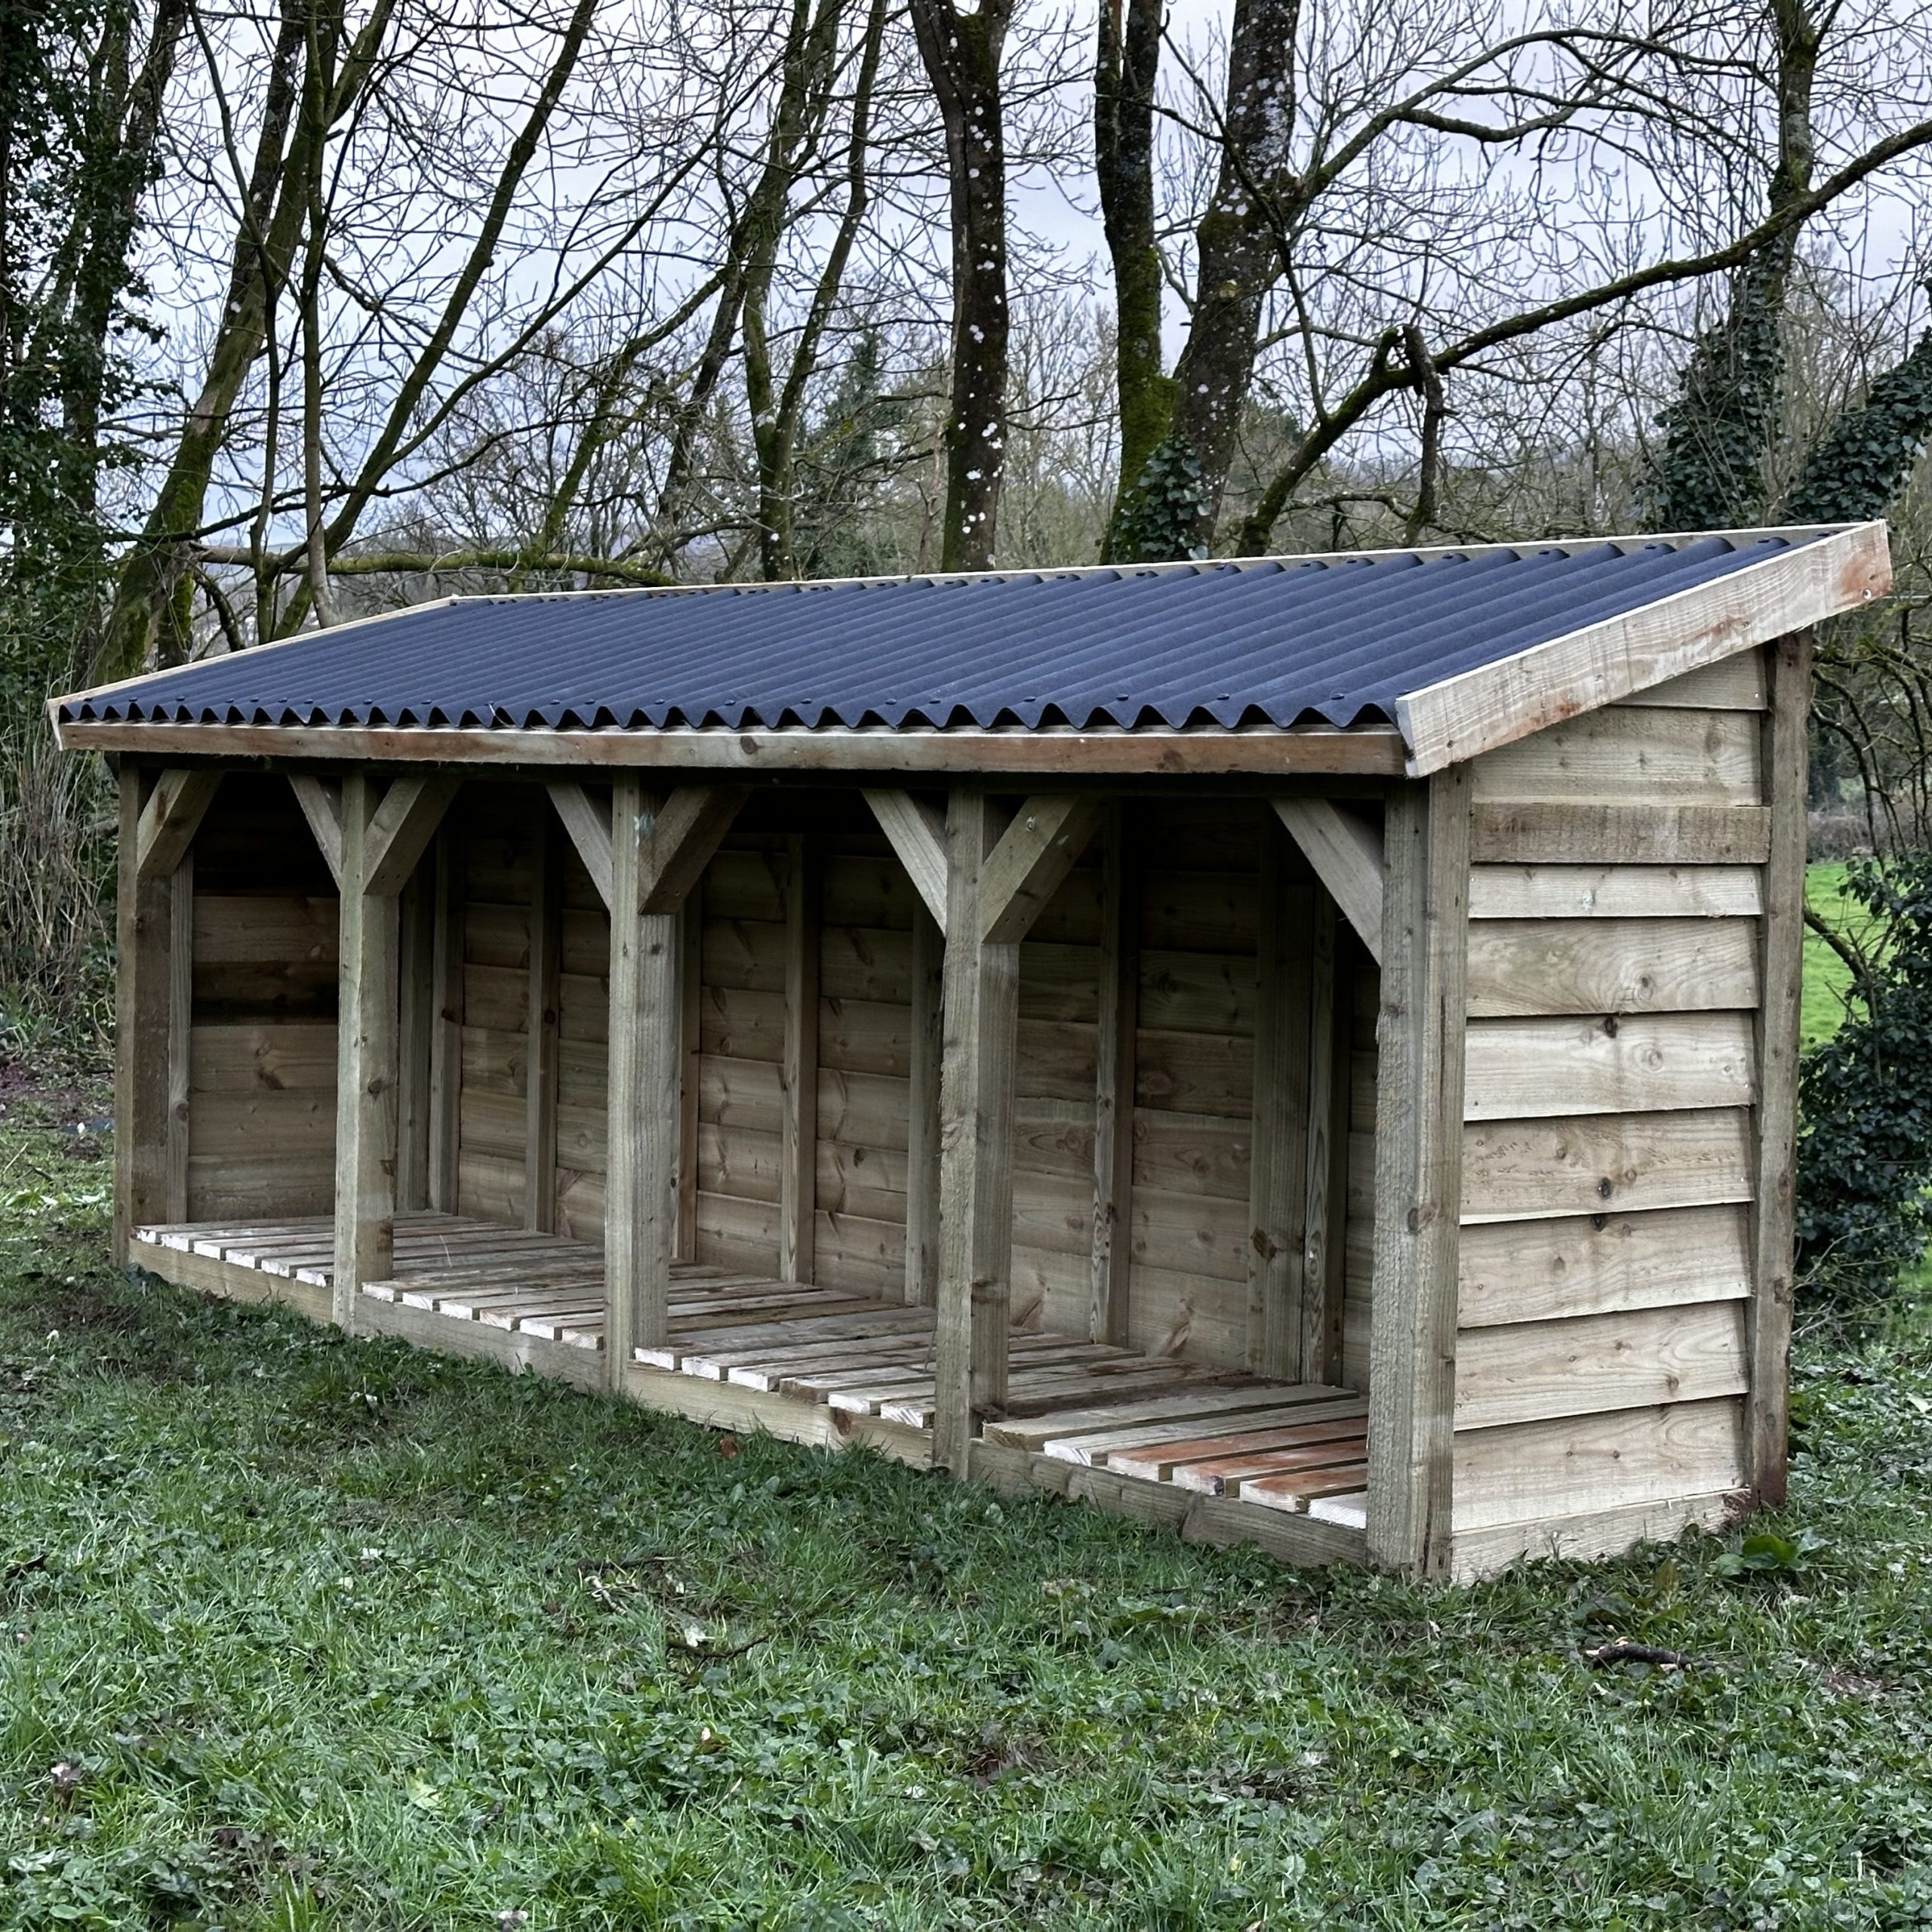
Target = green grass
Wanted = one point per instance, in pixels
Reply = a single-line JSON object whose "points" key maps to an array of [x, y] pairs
{"points": [[297, 1632]]}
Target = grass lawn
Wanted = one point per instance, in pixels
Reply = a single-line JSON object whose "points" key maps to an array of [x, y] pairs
{"points": [[302, 1633], [1826, 976]]}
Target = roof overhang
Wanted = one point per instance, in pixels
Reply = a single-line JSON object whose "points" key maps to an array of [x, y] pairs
{"points": [[1827, 571]]}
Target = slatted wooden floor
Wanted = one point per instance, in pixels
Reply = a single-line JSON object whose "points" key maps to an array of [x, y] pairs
{"points": [[1295, 1447]]}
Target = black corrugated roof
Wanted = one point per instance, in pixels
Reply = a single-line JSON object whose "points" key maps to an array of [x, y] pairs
{"points": [[1270, 643]]}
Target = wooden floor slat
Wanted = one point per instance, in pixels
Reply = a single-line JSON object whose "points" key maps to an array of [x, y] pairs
{"points": [[1215, 1432]]}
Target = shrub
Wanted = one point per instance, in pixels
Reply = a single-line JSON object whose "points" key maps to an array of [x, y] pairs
{"points": [[1865, 1098]]}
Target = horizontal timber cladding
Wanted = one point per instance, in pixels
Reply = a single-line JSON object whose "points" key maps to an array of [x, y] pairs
{"points": [[261, 1048], [1527, 967], [1611, 1077]]}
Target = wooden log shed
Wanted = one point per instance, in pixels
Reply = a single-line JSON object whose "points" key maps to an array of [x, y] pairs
{"points": [[1302, 1051]]}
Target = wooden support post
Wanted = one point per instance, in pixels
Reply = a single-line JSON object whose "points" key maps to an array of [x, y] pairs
{"points": [[982, 1016], [798, 1158], [415, 1051], [691, 1008], [143, 1005], [367, 1062], [446, 1035], [1781, 936], [1418, 1173], [1113, 1083], [1277, 1170], [180, 1030], [544, 990], [640, 1210], [1330, 1046], [922, 1134]]}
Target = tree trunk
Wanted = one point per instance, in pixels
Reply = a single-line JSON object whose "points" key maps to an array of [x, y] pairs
{"points": [[961, 54], [1176, 497], [1124, 79]]}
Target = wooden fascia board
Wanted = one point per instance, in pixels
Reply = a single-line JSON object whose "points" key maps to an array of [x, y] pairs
{"points": [[588, 823], [170, 819], [917, 834], [1372, 752], [1346, 853], [320, 801], [1463, 717]]}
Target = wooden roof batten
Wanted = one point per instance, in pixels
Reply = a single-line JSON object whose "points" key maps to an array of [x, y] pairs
{"points": [[1826, 571]]}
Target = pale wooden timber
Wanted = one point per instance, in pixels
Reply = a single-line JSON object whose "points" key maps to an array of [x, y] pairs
{"points": [[1544, 834], [1277, 1174], [1515, 1272], [1536, 1471], [416, 1049], [321, 801], [170, 819], [588, 822], [641, 1182], [917, 833], [368, 1066], [1345, 851], [922, 1104], [1732, 683], [1614, 1064], [1117, 1022], [180, 1029], [1496, 704], [1586, 1536], [981, 994], [1418, 1173], [1324, 1266], [1633, 754], [1370, 752], [1614, 892], [797, 1131], [1031, 861], [399, 831], [545, 994], [1587, 1363], [1529, 1169], [446, 1022], [1525, 968], [1782, 938]]}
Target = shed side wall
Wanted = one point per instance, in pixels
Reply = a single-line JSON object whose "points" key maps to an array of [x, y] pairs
{"points": [[1610, 1075]]}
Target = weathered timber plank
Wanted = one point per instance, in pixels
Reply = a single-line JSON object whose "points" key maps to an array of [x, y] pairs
{"points": [[1590, 1364], [1523, 968], [1518, 1069], [1614, 892], [1594, 1264], [1599, 835], [1604, 1164], [1589, 1536], [1637, 756], [1577, 1465]]}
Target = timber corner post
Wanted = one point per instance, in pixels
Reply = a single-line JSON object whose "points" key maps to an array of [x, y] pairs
{"points": [[1784, 745], [1418, 1173]]}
